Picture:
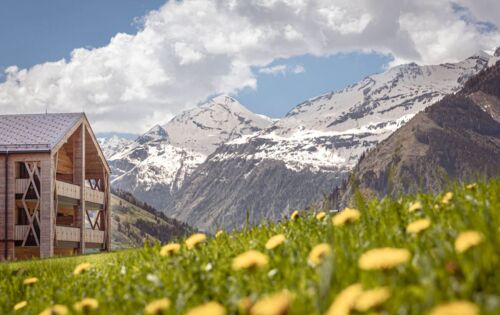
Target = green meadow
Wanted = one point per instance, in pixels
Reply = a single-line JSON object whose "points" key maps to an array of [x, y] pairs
{"points": [[436, 272]]}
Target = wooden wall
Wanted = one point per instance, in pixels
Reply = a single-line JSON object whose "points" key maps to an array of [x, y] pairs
{"points": [[10, 230]]}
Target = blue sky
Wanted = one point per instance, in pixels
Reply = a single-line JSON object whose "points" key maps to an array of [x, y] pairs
{"points": [[35, 32]]}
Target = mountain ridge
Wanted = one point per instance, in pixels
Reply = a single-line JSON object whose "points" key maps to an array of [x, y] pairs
{"points": [[455, 138], [304, 155]]}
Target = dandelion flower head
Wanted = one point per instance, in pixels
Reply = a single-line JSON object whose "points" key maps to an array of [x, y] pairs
{"points": [[249, 260], [383, 258], [170, 249], [275, 241], [210, 308], [347, 215], [195, 239], [318, 253], [466, 240]]}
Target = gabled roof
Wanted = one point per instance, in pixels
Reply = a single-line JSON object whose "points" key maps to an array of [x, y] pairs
{"points": [[35, 132]]}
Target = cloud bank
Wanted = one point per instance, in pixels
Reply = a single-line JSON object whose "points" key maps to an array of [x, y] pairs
{"points": [[187, 51]]}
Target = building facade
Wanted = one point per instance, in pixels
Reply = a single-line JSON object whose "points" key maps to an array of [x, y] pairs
{"points": [[54, 187]]}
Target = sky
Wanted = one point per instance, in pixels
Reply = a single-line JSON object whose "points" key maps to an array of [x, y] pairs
{"points": [[130, 64]]}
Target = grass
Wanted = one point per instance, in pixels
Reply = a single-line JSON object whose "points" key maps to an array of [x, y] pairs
{"points": [[126, 281]]}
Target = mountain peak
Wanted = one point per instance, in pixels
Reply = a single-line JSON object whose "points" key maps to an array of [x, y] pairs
{"points": [[154, 134], [497, 52], [480, 54], [223, 99], [228, 103]]}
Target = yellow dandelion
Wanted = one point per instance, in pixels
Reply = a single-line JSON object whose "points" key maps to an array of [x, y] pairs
{"points": [[295, 215], [320, 216], [219, 233], [85, 305], [371, 298], [275, 304], [456, 308], [467, 239], [447, 198], [30, 281], [81, 268], [56, 309], [249, 260], [348, 215], [157, 306], [244, 305], [471, 186], [318, 253], [345, 300], [170, 249], [383, 258], [210, 308], [418, 226], [275, 241], [195, 239], [20, 305], [417, 205]]}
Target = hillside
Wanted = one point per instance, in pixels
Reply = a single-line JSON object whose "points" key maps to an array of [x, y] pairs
{"points": [[306, 154], [453, 256], [456, 138], [134, 223]]}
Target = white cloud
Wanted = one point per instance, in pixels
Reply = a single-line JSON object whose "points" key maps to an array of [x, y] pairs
{"points": [[187, 51], [298, 69], [282, 69], [279, 69]]}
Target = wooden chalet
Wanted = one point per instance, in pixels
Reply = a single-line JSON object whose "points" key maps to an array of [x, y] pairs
{"points": [[54, 187]]}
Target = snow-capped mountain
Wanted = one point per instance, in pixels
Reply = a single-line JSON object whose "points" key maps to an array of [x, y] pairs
{"points": [[155, 165], [305, 154], [113, 144]]}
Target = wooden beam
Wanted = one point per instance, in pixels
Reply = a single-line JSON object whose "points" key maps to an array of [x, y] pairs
{"points": [[79, 179], [107, 211], [96, 145], [68, 135], [47, 227]]}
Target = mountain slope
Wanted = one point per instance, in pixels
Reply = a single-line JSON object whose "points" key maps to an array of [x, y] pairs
{"points": [[308, 152], [155, 165], [113, 144], [132, 223], [456, 138]]}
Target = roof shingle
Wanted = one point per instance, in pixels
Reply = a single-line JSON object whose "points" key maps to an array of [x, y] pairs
{"points": [[34, 132]]}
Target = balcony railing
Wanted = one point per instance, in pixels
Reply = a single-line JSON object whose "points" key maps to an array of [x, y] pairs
{"points": [[65, 233], [20, 232], [21, 185], [94, 196], [66, 190], [94, 236]]}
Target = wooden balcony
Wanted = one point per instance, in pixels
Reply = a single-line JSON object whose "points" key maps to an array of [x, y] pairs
{"points": [[65, 190], [94, 196], [68, 190], [20, 231], [21, 185], [65, 233], [73, 191], [94, 236]]}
